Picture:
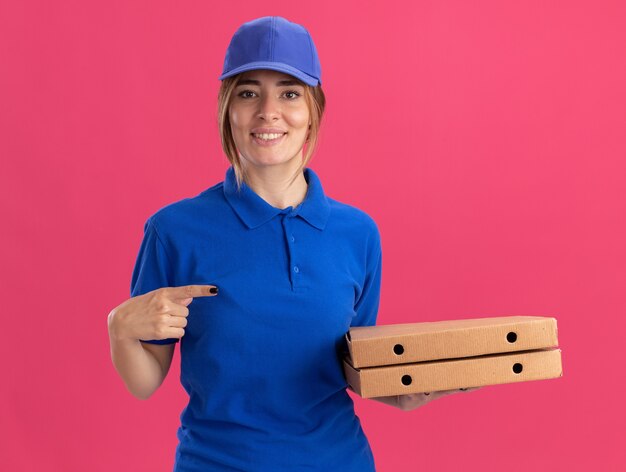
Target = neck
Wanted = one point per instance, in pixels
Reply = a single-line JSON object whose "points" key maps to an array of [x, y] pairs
{"points": [[273, 184]]}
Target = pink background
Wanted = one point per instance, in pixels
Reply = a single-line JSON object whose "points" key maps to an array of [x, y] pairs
{"points": [[485, 138]]}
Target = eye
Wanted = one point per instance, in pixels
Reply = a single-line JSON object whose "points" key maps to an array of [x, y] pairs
{"points": [[294, 92], [240, 94]]}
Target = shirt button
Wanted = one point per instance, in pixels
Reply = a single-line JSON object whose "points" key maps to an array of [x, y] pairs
{"points": [[293, 239], [296, 269]]}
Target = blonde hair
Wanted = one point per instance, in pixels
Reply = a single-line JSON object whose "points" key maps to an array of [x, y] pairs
{"points": [[315, 99]]}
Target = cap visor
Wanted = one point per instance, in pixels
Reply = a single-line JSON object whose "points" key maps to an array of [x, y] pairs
{"points": [[277, 66]]}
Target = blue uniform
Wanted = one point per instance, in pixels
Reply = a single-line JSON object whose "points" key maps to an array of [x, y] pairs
{"points": [[261, 361]]}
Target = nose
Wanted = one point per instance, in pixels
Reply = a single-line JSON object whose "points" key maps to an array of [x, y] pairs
{"points": [[269, 108]]}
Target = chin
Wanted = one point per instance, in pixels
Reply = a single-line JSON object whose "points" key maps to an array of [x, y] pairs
{"points": [[264, 161]]}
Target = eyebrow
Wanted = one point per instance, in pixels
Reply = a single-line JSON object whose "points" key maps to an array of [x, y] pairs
{"points": [[279, 83]]}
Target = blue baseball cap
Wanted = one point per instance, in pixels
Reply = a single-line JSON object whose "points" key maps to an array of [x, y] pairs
{"points": [[273, 42]]}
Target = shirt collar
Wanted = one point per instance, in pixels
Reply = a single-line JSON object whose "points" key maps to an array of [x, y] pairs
{"points": [[254, 211]]}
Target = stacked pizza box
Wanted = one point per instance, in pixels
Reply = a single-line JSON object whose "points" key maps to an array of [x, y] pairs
{"points": [[407, 358]]}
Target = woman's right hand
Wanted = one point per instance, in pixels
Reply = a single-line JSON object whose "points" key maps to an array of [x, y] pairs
{"points": [[159, 314]]}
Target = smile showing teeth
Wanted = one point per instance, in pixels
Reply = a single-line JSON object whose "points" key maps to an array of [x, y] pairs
{"points": [[267, 137]]}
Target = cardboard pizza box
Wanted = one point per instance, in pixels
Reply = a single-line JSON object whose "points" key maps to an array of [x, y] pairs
{"points": [[431, 376], [381, 345]]}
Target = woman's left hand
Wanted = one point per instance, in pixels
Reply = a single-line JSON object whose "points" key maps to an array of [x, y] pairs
{"points": [[412, 401]]}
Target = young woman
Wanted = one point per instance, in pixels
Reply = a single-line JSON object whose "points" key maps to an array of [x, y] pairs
{"points": [[295, 269]]}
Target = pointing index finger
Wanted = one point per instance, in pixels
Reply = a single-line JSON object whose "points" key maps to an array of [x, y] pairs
{"points": [[191, 291]]}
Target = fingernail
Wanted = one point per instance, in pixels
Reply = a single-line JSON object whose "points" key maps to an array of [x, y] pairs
{"points": [[214, 290]]}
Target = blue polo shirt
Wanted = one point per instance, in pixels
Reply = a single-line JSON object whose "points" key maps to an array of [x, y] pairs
{"points": [[261, 361]]}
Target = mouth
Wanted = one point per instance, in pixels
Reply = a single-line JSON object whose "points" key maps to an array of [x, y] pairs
{"points": [[267, 139]]}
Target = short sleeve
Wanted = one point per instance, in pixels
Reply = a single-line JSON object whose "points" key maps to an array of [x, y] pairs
{"points": [[152, 270], [366, 306]]}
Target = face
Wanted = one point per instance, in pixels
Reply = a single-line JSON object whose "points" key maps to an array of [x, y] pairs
{"points": [[267, 103]]}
